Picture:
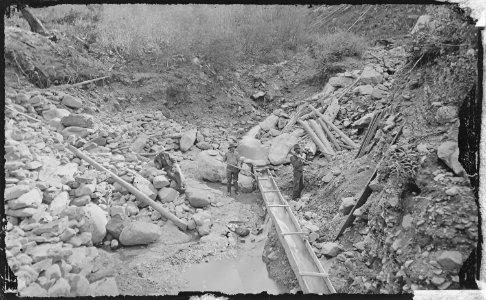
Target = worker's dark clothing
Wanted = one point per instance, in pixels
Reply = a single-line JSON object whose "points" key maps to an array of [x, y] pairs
{"points": [[298, 164], [164, 161], [232, 158]]}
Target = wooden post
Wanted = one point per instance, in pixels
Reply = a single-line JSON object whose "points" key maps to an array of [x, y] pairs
{"points": [[345, 138], [315, 138], [311, 114], [164, 212], [321, 135], [293, 119], [329, 134]]}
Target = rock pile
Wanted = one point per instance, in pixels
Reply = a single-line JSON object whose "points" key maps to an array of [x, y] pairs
{"points": [[59, 208]]}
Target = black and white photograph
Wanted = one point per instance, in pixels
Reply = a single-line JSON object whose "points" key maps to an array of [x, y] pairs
{"points": [[222, 149]]}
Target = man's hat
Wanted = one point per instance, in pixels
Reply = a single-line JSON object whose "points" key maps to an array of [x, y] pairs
{"points": [[297, 146]]}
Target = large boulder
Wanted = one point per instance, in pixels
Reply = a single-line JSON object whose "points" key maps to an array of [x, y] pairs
{"points": [[60, 289], [340, 81], [450, 260], [54, 113], [200, 217], [77, 131], [60, 202], [160, 181], [446, 114], [56, 123], [71, 102], [68, 170], [252, 132], [139, 233], [448, 152], [331, 249], [95, 222], [171, 235], [139, 143], [15, 191], [33, 290], [245, 183], [204, 228], [73, 213], [187, 140], [269, 123], [82, 258], [79, 285], [210, 166], [364, 89], [281, 146], [78, 120], [198, 196], [22, 213], [145, 187], [249, 147], [32, 198], [116, 224], [347, 205], [167, 195], [371, 76]]}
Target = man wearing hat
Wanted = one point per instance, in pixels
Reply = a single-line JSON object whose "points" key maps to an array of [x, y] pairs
{"points": [[298, 161], [233, 163]]}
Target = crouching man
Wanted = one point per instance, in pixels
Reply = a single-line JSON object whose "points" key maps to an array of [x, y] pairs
{"points": [[165, 161]]}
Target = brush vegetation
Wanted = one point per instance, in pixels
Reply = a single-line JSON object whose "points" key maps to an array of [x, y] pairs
{"points": [[219, 35]]}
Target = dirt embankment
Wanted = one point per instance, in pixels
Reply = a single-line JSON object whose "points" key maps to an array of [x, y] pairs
{"points": [[420, 224]]}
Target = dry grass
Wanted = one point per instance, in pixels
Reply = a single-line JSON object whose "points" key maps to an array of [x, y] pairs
{"points": [[333, 47], [220, 35]]}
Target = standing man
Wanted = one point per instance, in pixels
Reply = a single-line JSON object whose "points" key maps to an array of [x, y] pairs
{"points": [[232, 160], [298, 161], [163, 160]]}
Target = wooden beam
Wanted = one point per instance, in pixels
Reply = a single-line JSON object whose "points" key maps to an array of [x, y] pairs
{"points": [[345, 138], [164, 212], [321, 135], [366, 191], [331, 137], [316, 140], [81, 83]]}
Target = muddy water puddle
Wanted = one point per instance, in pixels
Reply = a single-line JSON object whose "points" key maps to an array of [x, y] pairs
{"points": [[246, 273], [230, 276]]}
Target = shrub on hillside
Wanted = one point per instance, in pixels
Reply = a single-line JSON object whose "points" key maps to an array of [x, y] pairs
{"points": [[332, 47], [221, 34], [449, 31]]}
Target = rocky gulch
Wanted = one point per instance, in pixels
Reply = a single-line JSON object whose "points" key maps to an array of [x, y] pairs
{"points": [[411, 234]]}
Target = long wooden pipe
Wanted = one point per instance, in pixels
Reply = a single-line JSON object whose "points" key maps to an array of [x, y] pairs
{"points": [[164, 212]]}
